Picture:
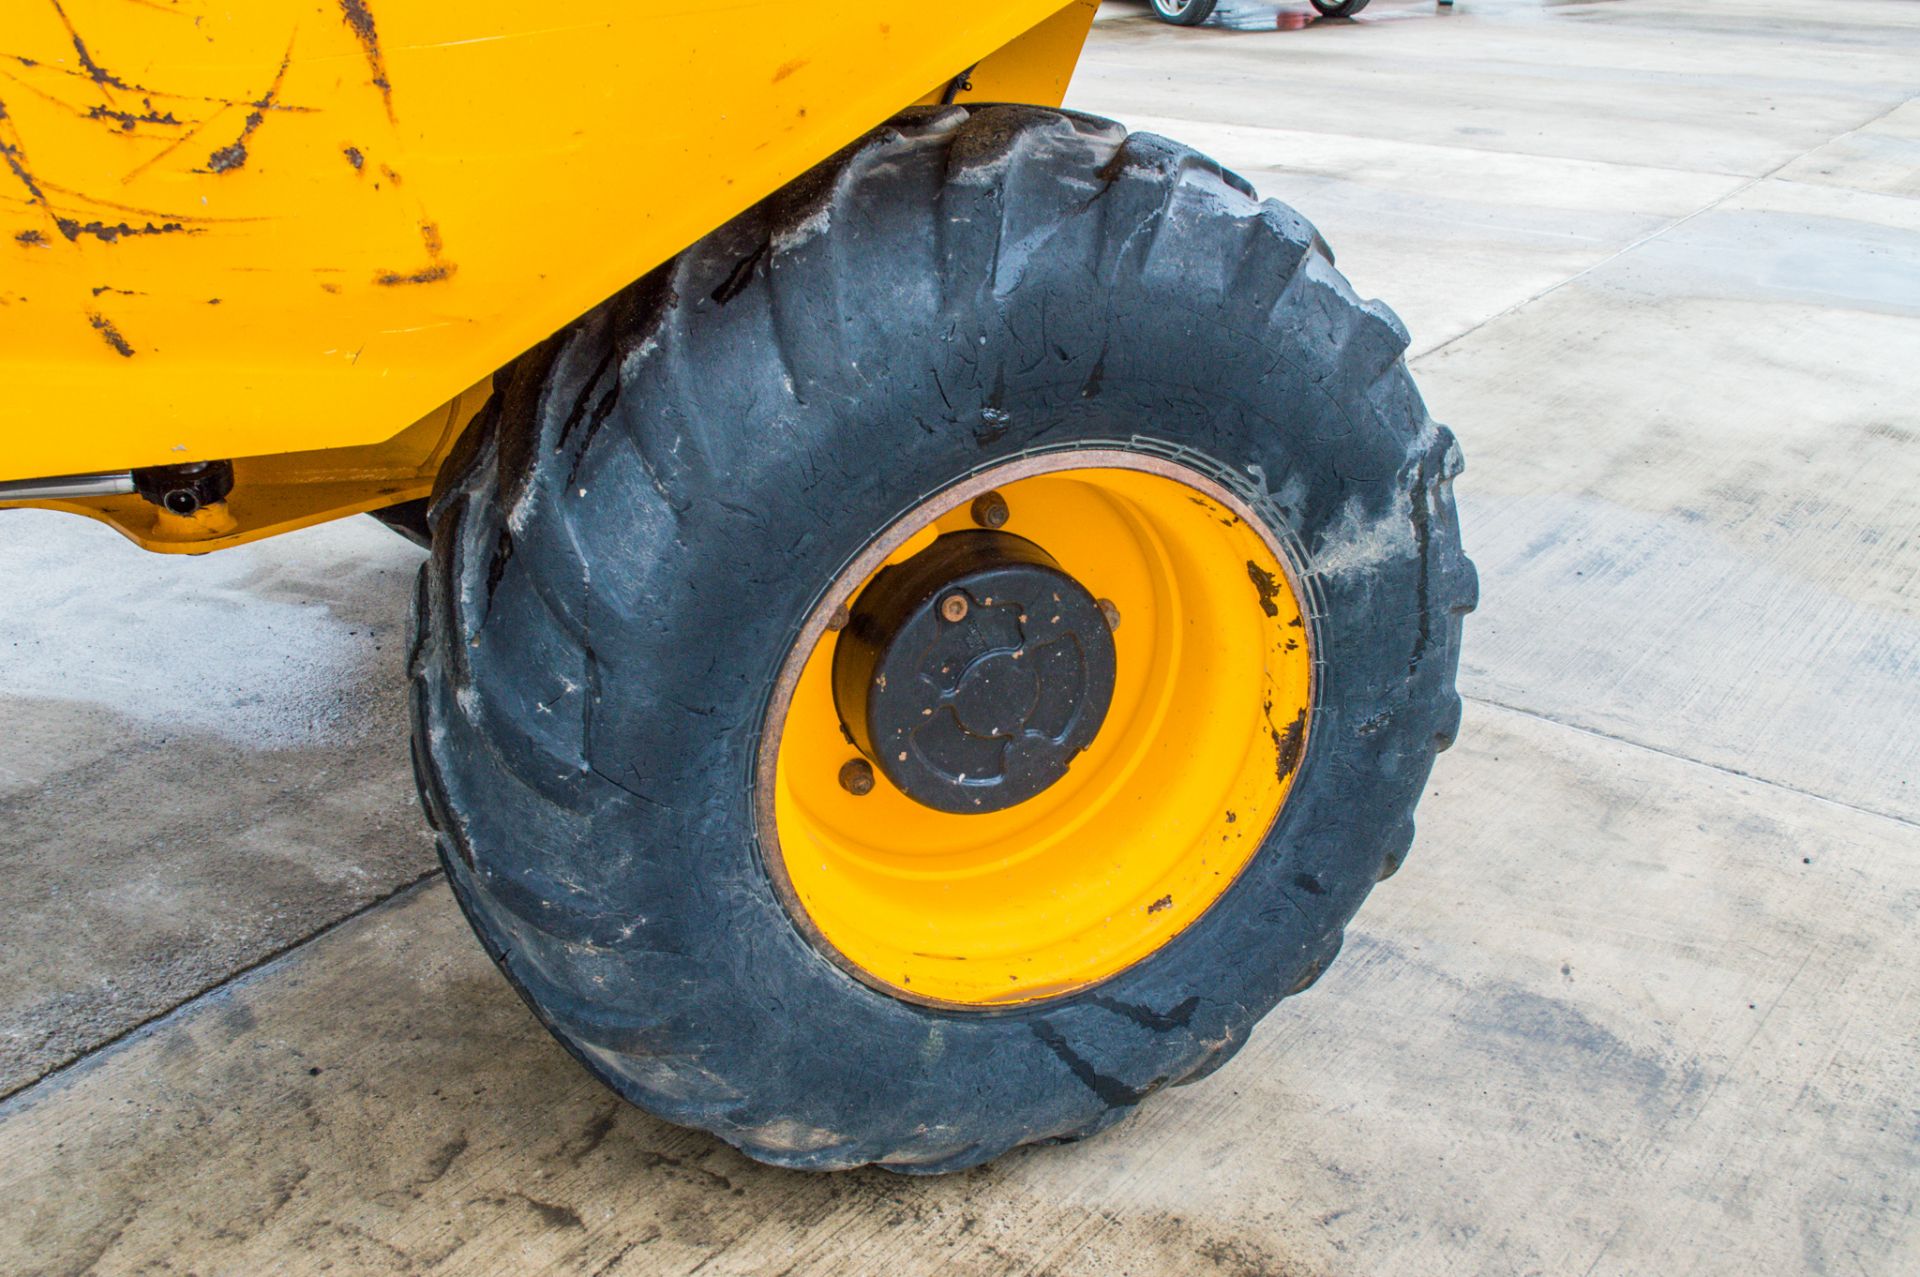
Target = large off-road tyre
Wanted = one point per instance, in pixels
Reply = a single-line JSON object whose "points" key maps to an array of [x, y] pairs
{"points": [[653, 516]]}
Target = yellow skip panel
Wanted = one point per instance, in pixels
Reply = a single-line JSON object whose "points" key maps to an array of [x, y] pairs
{"points": [[231, 230]]}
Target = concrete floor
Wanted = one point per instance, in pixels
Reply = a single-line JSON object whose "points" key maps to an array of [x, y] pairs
{"points": [[1645, 999]]}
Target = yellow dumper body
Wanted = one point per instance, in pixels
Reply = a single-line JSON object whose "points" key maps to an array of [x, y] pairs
{"points": [[301, 235]]}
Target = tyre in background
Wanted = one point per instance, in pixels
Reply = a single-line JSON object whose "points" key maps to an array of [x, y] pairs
{"points": [[1183, 13]]}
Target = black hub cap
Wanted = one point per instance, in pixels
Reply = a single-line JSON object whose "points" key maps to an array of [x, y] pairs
{"points": [[972, 673]]}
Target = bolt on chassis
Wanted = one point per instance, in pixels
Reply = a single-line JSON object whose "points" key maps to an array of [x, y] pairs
{"points": [[937, 610]]}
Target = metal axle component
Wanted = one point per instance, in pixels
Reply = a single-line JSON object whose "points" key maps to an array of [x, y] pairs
{"points": [[185, 489], [63, 487], [972, 674]]}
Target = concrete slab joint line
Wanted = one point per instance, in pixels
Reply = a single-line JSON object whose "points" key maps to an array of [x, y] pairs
{"points": [[1415, 357], [1667, 753], [223, 986]]}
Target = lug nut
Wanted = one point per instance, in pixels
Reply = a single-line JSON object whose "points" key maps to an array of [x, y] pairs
{"points": [[953, 607], [1108, 610], [856, 777], [990, 510]]}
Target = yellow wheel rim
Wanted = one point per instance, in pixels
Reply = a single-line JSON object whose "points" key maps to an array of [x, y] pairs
{"points": [[1206, 728]]}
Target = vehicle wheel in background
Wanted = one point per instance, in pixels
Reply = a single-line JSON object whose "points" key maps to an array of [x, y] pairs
{"points": [[1183, 13]]}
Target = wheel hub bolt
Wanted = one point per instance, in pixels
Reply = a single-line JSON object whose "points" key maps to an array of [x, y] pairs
{"points": [[856, 777], [990, 510], [954, 607]]}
